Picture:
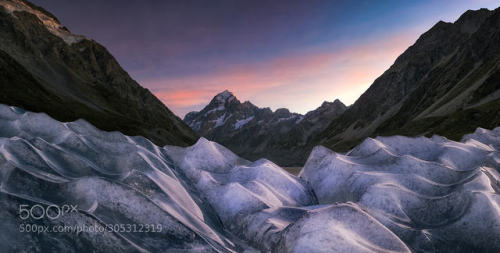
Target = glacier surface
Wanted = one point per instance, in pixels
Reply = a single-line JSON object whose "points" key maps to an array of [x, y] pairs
{"points": [[388, 194]]}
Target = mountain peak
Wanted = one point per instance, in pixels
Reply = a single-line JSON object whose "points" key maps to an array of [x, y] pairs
{"points": [[240, 125], [224, 96], [50, 22], [282, 112], [470, 21], [325, 104], [335, 102], [28, 31]]}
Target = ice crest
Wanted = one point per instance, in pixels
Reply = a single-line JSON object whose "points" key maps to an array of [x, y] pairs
{"points": [[388, 194], [419, 187]]}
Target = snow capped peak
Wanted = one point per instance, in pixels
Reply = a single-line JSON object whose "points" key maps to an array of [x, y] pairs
{"points": [[219, 101], [49, 21], [224, 96], [226, 93], [236, 124]]}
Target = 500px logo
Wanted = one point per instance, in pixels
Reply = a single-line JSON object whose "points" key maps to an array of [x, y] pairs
{"points": [[38, 211]]}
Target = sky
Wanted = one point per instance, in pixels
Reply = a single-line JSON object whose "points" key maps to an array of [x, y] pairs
{"points": [[278, 54]]}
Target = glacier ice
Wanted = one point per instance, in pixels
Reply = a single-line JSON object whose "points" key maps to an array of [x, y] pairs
{"points": [[246, 196], [112, 178], [388, 194], [434, 194]]}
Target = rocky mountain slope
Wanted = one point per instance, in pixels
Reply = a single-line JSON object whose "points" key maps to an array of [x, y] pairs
{"points": [[447, 83], [254, 132], [45, 68], [390, 194]]}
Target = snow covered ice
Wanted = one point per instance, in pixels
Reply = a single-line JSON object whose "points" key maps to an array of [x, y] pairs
{"points": [[389, 194], [112, 178], [434, 194]]}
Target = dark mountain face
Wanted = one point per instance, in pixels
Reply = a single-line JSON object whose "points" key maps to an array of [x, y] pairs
{"points": [[447, 83], [254, 132], [45, 68]]}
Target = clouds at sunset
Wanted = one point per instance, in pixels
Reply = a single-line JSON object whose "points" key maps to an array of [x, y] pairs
{"points": [[306, 77]]}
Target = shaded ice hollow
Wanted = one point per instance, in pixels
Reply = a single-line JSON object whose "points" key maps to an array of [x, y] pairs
{"points": [[388, 194]]}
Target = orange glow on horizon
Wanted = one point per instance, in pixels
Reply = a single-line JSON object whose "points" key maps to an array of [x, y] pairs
{"points": [[305, 79]]}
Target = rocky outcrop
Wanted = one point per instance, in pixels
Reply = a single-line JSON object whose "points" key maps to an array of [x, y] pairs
{"points": [[447, 83], [45, 68], [254, 132]]}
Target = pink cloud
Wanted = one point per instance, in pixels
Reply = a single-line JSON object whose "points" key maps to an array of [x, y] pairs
{"points": [[299, 82]]}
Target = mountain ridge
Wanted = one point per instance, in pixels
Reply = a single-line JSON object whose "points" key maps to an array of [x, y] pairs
{"points": [[253, 132], [439, 85], [47, 69]]}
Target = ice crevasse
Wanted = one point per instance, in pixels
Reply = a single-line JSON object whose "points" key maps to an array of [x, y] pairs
{"points": [[388, 194]]}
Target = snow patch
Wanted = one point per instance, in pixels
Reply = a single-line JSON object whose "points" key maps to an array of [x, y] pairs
{"points": [[299, 119], [286, 119], [242, 122], [221, 107], [221, 120]]}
